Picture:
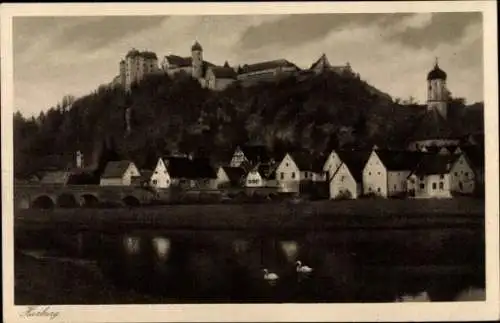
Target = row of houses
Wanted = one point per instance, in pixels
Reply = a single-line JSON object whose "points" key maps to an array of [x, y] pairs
{"points": [[346, 173]]}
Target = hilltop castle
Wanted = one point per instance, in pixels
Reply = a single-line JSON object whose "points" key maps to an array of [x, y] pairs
{"points": [[138, 64]]}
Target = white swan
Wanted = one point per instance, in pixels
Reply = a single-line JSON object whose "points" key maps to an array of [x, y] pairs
{"points": [[303, 269], [271, 277]]}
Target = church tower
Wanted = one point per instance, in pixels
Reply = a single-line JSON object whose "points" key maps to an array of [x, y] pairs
{"points": [[197, 60], [437, 93]]}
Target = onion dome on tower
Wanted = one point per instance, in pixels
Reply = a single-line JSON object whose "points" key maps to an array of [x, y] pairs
{"points": [[436, 73], [196, 47]]}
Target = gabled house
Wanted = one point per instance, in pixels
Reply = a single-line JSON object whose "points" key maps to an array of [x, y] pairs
{"points": [[347, 180], [160, 178], [230, 176], [297, 168], [475, 155], [189, 172], [386, 171], [261, 175], [119, 173]]}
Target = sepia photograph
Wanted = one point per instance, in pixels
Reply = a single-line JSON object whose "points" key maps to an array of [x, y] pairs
{"points": [[226, 158]]}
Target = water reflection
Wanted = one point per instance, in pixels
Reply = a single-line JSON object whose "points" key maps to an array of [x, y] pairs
{"points": [[208, 267]]}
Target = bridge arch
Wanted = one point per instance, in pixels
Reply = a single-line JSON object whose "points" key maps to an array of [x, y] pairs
{"points": [[67, 200], [131, 200], [43, 202], [89, 200]]}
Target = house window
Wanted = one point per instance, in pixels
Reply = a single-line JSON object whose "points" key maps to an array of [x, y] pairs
{"points": [[342, 178], [378, 173], [282, 175], [433, 186], [378, 189], [155, 182], [422, 185], [466, 174], [305, 174], [421, 178], [369, 173], [441, 185], [286, 164], [395, 186], [293, 175], [441, 176], [456, 174]]}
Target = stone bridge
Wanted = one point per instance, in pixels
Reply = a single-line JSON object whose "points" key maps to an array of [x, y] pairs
{"points": [[72, 196]]}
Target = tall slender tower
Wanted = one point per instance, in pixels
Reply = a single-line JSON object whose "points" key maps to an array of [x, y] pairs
{"points": [[437, 93], [197, 56]]}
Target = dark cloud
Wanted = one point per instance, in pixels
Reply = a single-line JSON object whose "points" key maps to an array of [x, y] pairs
{"points": [[445, 27], [298, 29], [87, 33]]}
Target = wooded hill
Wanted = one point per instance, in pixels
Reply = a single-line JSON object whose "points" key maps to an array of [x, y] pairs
{"points": [[314, 112]]}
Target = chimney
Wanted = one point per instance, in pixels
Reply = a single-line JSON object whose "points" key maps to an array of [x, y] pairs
{"points": [[79, 159]]}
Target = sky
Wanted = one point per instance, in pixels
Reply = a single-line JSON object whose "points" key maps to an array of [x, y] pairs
{"points": [[57, 56]]}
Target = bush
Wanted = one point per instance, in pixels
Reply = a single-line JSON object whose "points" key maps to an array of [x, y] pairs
{"points": [[344, 195]]}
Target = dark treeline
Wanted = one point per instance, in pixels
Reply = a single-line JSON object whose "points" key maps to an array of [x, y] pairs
{"points": [[316, 113]]}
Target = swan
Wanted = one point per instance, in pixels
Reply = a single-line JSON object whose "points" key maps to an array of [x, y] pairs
{"points": [[303, 268], [271, 277]]}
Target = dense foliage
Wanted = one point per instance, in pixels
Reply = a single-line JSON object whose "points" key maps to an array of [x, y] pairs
{"points": [[316, 113]]}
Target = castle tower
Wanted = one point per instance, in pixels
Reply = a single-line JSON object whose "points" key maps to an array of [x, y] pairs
{"points": [[197, 56], [437, 93]]}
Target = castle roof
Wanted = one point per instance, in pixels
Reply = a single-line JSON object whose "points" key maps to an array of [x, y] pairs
{"points": [[267, 65], [436, 73], [179, 61], [321, 62], [133, 53], [223, 72]]}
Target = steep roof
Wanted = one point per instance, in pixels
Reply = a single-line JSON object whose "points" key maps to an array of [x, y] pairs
{"points": [[116, 169], [183, 61], [400, 160], [475, 154], [267, 65], [306, 161], [433, 126], [183, 167], [435, 164], [322, 61], [145, 54], [223, 72], [355, 162], [235, 174], [256, 153], [55, 177]]}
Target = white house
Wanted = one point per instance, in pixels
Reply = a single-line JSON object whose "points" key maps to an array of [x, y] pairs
{"points": [[332, 163], [439, 176], [119, 173], [254, 178], [347, 180], [288, 175], [385, 173], [462, 175], [160, 178]]}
